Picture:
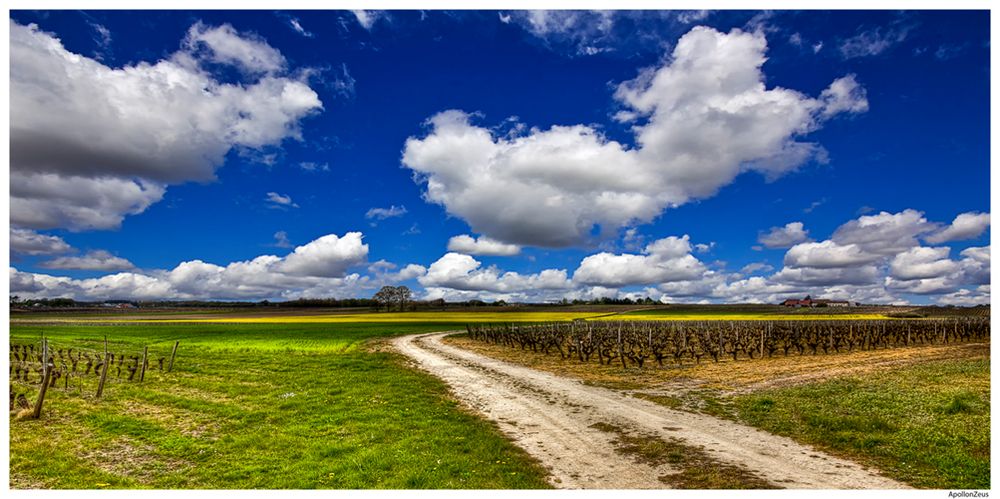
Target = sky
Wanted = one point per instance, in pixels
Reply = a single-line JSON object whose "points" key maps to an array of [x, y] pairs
{"points": [[529, 156]]}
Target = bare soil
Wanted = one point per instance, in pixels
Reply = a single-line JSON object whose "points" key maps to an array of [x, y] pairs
{"points": [[565, 425]]}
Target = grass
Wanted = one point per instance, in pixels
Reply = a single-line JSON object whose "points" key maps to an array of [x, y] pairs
{"points": [[927, 425], [920, 414], [259, 406]]}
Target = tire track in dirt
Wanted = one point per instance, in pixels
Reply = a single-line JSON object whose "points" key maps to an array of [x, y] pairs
{"points": [[553, 418]]}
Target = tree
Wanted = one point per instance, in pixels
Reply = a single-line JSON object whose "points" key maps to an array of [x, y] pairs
{"points": [[386, 296], [402, 295]]}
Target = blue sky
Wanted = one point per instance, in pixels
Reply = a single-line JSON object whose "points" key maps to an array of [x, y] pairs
{"points": [[689, 156]]}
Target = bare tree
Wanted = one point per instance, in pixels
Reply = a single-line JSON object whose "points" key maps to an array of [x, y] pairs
{"points": [[403, 295], [386, 296]]}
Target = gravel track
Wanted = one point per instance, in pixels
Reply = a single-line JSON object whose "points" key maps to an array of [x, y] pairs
{"points": [[553, 418]]}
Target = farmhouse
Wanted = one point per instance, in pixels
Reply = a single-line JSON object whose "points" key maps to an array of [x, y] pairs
{"points": [[809, 302]]}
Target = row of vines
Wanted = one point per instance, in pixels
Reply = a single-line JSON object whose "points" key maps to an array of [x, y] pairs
{"points": [[678, 342], [36, 367]]}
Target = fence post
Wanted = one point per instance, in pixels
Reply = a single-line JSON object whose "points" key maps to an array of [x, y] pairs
{"points": [[46, 373], [172, 354], [104, 375], [142, 373]]}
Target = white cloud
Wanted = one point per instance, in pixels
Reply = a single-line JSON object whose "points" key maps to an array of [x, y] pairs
{"points": [[885, 233], [312, 166], [462, 272], [844, 95], [975, 265], [664, 260], [297, 26], [29, 242], [93, 260], [225, 46], [278, 200], [819, 277], [784, 237], [755, 267], [344, 83], [384, 213], [328, 256], [90, 144], [967, 297], [826, 255], [705, 116], [367, 18], [873, 41], [481, 246], [922, 263], [317, 269], [281, 240], [52, 200], [965, 226]]}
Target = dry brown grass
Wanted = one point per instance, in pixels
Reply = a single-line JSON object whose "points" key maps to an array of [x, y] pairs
{"points": [[728, 375]]}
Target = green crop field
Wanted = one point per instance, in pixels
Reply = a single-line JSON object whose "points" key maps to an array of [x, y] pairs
{"points": [[258, 406]]}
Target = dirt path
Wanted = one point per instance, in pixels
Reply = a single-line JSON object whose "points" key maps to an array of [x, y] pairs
{"points": [[554, 418]]}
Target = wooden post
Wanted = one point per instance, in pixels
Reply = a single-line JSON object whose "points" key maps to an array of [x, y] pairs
{"points": [[104, 375], [45, 383], [105, 346], [172, 354], [142, 373]]}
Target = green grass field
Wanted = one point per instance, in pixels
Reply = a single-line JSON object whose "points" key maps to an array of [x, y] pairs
{"points": [[925, 424], [259, 406]]}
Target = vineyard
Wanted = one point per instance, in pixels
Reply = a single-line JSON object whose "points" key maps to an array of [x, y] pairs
{"points": [[637, 343], [39, 366]]}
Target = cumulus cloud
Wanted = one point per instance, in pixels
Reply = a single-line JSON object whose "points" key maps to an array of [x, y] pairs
{"points": [[29, 242], [383, 271], [90, 144], [93, 260], [328, 256], [317, 269], [827, 254], [885, 233], [965, 226], [700, 120], [384, 213], [481, 246], [664, 260], [462, 272], [967, 297], [922, 263], [784, 237], [52, 200]]}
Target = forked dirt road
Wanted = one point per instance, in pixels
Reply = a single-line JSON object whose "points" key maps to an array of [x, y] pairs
{"points": [[553, 419]]}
